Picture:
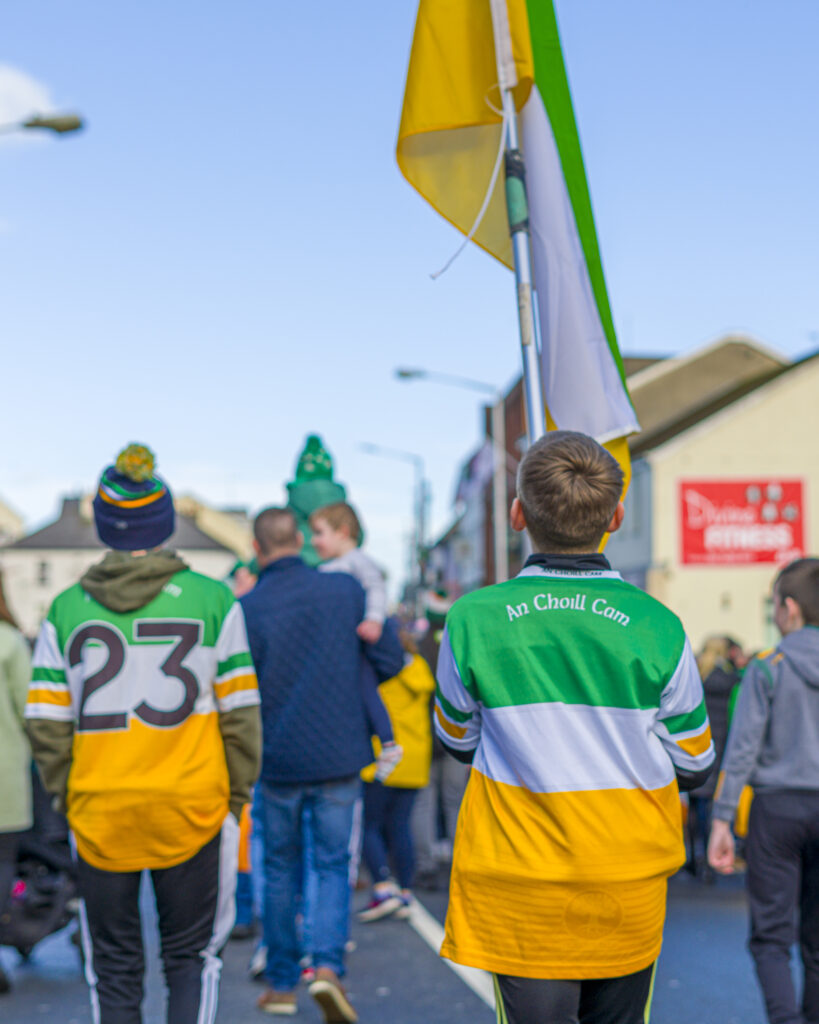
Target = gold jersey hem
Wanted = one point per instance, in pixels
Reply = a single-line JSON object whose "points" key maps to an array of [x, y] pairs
{"points": [[122, 866], [564, 970]]}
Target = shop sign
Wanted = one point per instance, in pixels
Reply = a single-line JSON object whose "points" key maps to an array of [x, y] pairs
{"points": [[739, 522]]}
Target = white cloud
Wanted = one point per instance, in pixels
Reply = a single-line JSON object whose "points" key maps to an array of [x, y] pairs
{"points": [[21, 95]]}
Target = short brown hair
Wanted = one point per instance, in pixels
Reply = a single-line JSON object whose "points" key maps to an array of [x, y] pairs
{"points": [[569, 487], [274, 529], [337, 515], [800, 581]]}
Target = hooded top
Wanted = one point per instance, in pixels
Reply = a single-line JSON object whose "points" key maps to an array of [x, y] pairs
{"points": [[774, 740], [143, 710]]}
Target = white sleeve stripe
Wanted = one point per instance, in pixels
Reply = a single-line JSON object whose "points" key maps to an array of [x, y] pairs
{"points": [[47, 652], [690, 762], [235, 673], [449, 679], [54, 712], [683, 693], [232, 637], [467, 742], [239, 699]]}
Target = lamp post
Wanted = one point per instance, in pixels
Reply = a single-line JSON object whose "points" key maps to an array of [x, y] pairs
{"points": [[60, 124], [500, 499], [420, 501]]}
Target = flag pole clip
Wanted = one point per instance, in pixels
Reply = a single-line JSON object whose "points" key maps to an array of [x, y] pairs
{"points": [[517, 205]]}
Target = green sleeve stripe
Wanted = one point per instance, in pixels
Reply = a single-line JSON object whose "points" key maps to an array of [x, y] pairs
{"points": [[241, 660], [686, 723], [449, 710], [47, 675]]}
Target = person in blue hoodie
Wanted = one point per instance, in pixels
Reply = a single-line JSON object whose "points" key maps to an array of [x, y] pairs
{"points": [[774, 747], [312, 671]]}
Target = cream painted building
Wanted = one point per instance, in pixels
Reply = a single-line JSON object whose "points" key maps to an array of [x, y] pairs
{"points": [[11, 525], [726, 478], [38, 566]]}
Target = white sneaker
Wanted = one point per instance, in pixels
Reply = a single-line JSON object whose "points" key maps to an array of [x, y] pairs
{"points": [[258, 962], [384, 902]]}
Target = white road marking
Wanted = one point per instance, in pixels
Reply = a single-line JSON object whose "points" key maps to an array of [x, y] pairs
{"points": [[433, 934]]}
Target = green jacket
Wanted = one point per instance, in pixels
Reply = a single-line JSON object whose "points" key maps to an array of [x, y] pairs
{"points": [[15, 755]]}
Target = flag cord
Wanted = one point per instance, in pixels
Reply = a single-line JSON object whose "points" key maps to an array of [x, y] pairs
{"points": [[486, 199]]}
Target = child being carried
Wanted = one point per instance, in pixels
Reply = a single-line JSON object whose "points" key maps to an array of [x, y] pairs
{"points": [[336, 538]]}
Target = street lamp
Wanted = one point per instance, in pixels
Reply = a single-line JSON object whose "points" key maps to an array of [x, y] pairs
{"points": [[499, 455], [60, 124], [420, 501]]}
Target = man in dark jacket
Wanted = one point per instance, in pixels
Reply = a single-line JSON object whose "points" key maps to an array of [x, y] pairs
{"points": [[302, 632]]}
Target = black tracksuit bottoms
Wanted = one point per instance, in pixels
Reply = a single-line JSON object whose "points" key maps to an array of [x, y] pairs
{"points": [[625, 1000], [196, 906], [783, 888]]}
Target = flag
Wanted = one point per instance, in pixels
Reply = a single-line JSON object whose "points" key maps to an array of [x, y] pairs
{"points": [[448, 141]]}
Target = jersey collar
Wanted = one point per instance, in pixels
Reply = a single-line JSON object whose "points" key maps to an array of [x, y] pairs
{"points": [[592, 564]]}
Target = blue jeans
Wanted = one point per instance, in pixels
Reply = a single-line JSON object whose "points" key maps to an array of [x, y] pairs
{"points": [[387, 835], [331, 806]]}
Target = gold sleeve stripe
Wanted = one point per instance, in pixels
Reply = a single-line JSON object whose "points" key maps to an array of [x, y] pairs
{"points": [[245, 682], [695, 745], [456, 731], [61, 697]]}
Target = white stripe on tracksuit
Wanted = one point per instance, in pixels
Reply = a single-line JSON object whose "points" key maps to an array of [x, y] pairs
{"points": [[223, 920], [224, 916]]}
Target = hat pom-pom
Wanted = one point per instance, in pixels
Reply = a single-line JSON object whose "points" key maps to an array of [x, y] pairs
{"points": [[136, 462]]}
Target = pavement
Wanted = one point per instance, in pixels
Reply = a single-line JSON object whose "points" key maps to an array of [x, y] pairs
{"points": [[395, 976]]}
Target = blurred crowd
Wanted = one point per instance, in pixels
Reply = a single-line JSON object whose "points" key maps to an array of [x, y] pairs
{"points": [[324, 706], [264, 745]]}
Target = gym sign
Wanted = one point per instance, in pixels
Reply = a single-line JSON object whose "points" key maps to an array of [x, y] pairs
{"points": [[739, 522]]}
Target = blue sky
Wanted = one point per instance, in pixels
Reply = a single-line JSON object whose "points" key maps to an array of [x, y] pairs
{"points": [[228, 258]]}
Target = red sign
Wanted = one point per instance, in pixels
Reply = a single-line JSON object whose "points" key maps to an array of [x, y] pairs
{"points": [[739, 522]]}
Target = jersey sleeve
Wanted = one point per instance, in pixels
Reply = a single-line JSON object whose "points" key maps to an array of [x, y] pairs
{"points": [[49, 695], [457, 714], [682, 721], [235, 685]]}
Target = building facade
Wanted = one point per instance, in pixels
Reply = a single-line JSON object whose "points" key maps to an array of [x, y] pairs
{"points": [[36, 567], [720, 504], [723, 488]]}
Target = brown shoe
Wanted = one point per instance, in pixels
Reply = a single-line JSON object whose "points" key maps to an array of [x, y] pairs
{"points": [[329, 993], [281, 1003]]}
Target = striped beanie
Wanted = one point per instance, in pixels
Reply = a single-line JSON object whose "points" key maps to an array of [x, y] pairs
{"points": [[133, 508]]}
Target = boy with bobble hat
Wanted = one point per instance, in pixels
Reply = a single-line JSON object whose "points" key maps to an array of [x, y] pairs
{"points": [[774, 747], [576, 698], [143, 716]]}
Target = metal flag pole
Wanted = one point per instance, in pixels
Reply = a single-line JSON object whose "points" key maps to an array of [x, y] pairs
{"points": [[517, 208]]}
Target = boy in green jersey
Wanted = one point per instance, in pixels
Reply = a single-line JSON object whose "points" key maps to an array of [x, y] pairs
{"points": [[576, 698]]}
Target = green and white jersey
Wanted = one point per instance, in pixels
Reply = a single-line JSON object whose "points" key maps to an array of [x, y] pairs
{"points": [[579, 694], [144, 689]]}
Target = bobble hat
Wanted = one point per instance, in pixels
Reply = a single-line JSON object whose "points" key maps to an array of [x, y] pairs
{"points": [[133, 508]]}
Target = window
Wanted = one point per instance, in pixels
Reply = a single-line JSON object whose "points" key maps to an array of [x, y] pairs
{"points": [[43, 573], [771, 633]]}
